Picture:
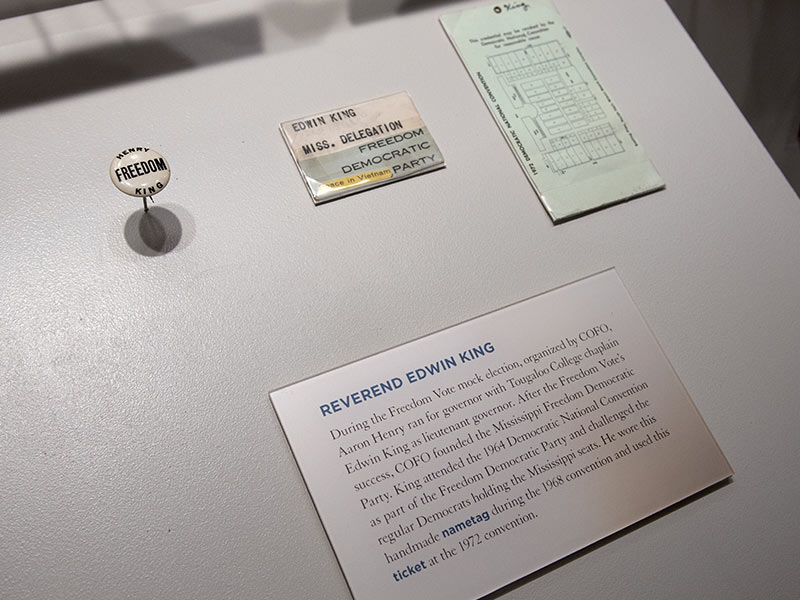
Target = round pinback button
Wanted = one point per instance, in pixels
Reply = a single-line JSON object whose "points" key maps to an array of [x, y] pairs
{"points": [[140, 172]]}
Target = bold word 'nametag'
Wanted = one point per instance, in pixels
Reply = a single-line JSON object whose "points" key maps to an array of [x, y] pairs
{"points": [[361, 146]]}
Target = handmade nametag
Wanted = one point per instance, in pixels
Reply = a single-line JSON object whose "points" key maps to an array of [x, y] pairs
{"points": [[361, 146]]}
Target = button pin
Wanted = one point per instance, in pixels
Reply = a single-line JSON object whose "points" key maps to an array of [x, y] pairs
{"points": [[140, 172]]}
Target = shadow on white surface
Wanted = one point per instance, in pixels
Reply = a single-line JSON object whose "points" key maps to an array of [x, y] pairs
{"points": [[15, 8], [363, 11], [158, 231], [94, 45], [122, 62]]}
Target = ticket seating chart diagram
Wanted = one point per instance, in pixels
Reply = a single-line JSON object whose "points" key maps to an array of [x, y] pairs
{"points": [[558, 108], [567, 134]]}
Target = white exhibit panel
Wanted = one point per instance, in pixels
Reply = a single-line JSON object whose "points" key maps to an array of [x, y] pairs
{"points": [[140, 455], [455, 464]]}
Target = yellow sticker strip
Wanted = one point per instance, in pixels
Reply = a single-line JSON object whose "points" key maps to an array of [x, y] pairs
{"points": [[355, 180]]}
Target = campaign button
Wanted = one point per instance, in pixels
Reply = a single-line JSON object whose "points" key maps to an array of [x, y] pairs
{"points": [[139, 171]]}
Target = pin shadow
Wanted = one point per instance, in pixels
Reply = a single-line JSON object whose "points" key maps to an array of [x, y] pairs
{"points": [[158, 231]]}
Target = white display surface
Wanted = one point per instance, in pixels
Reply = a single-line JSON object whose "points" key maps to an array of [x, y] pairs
{"points": [[140, 457]]}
